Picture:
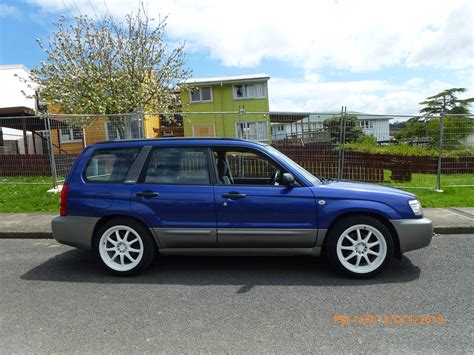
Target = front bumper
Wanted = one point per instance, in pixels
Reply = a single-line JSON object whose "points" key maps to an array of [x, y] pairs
{"points": [[76, 231], [413, 233]]}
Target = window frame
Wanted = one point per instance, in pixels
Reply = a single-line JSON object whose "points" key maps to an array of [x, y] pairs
{"points": [[246, 135], [366, 124], [126, 176], [144, 168], [200, 95], [71, 134], [234, 91], [257, 152]]}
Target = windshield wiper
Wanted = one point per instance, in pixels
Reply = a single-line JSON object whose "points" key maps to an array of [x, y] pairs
{"points": [[325, 180]]}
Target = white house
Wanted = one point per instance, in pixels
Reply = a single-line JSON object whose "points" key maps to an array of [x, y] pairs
{"points": [[303, 123], [11, 87], [14, 102]]}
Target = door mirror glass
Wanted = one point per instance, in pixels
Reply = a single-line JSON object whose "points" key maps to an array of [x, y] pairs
{"points": [[288, 180]]}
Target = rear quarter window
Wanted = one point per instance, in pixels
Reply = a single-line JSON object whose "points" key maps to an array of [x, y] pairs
{"points": [[110, 165]]}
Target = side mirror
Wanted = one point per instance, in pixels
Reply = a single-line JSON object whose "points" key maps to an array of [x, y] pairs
{"points": [[288, 180]]}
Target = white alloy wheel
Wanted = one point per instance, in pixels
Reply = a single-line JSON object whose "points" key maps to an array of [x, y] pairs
{"points": [[121, 248], [361, 249]]}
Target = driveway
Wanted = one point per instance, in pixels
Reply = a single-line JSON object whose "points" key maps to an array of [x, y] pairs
{"points": [[56, 299]]}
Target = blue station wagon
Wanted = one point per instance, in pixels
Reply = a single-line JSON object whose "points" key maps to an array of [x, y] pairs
{"points": [[130, 201]]}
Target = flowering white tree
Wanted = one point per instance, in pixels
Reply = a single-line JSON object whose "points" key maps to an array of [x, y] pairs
{"points": [[106, 66]]}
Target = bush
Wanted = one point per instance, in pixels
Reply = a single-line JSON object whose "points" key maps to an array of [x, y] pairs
{"points": [[368, 144]]}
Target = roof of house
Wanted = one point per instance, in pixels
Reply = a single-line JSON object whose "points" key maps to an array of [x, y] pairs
{"points": [[228, 79], [321, 116], [14, 66]]}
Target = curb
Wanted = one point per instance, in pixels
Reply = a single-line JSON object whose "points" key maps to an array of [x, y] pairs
{"points": [[26, 235], [49, 235], [454, 230]]}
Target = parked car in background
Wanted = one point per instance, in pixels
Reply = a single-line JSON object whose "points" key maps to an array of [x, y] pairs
{"points": [[130, 201]]}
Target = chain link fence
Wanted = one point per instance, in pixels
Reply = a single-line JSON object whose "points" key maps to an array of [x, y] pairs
{"points": [[430, 152]]}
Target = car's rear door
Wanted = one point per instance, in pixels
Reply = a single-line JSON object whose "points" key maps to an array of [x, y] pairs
{"points": [[254, 211], [176, 197]]}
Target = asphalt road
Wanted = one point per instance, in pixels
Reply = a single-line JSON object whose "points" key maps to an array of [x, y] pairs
{"points": [[56, 299]]}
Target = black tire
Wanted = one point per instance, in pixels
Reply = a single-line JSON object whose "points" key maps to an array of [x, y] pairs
{"points": [[366, 264], [145, 244]]}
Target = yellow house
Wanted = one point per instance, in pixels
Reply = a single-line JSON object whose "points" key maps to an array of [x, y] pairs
{"points": [[70, 135], [228, 106]]}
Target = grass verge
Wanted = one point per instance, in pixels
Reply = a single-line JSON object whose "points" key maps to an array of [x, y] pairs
{"points": [[29, 195]]}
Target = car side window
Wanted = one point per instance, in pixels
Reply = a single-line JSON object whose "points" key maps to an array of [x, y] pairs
{"points": [[246, 168], [178, 165], [110, 165]]}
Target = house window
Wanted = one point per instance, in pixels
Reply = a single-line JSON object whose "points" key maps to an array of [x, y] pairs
{"points": [[201, 94], [254, 131], [70, 134], [366, 124], [249, 91], [126, 129], [204, 130]]}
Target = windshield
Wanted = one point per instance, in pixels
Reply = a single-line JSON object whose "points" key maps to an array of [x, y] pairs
{"points": [[308, 176]]}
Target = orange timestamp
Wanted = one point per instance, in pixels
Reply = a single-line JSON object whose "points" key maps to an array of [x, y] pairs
{"points": [[387, 319]]}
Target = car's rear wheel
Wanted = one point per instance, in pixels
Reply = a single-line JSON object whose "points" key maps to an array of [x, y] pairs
{"points": [[124, 247], [360, 246]]}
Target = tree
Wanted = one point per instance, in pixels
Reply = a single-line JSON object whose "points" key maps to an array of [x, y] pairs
{"points": [[427, 127], [106, 66], [352, 129], [446, 102]]}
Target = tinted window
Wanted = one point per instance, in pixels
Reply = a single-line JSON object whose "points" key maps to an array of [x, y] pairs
{"points": [[182, 166], [110, 165], [246, 168]]}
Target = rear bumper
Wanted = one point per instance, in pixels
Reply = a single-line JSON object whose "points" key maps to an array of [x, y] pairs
{"points": [[413, 233], [76, 231]]}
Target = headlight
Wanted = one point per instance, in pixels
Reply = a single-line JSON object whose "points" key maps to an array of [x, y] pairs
{"points": [[415, 206]]}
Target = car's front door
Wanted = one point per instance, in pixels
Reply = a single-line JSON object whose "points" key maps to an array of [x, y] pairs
{"points": [[176, 197], [253, 210]]}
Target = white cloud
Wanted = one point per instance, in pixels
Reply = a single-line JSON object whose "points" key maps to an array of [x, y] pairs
{"points": [[370, 96], [361, 35], [322, 38], [7, 10]]}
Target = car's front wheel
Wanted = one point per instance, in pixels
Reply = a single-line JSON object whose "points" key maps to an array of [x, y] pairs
{"points": [[124, 247], [360, 246]]}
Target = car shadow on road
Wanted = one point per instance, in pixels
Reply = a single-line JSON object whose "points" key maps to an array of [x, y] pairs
{"points": [[81, 266]]}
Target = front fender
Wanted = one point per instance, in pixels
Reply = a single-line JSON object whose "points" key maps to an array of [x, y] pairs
{"points": [[332, 209]]}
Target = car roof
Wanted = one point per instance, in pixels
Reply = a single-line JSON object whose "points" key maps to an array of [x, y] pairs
{"points": [[201, 141]]}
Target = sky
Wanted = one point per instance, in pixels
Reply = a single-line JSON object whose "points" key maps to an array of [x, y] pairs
{"points": [[373, 56]]}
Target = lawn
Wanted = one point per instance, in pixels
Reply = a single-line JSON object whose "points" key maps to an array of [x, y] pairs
{"points": [[22, 197], [26, 197], [422, 185]]}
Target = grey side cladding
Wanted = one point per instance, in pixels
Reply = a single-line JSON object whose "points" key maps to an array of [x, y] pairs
{"points": [[186, 237]]}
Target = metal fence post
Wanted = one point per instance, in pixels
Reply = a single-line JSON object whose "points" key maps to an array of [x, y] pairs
{"points": [[342, 139], [52, 161], [141, 123], [441, 147], [241, 122]]}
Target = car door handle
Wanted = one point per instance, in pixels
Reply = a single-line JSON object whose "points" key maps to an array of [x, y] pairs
{"points": [[148, 194], [234, 195]]}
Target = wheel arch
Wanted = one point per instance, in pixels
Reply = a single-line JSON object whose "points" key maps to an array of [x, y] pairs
{"points": [[110, 217], [380, 217]]}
